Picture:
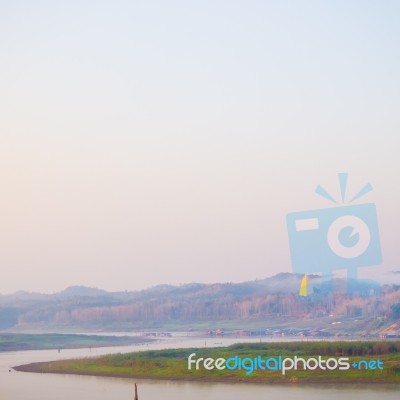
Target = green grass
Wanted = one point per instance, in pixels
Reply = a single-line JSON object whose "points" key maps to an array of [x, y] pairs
{"points": [[172, 364], [17, 341]]}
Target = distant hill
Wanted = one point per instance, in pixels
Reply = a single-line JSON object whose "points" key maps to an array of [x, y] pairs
{"points": [[266, 300], [81, 291]]}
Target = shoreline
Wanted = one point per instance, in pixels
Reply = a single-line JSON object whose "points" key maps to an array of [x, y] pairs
{"points": [[172, 364], [292, 380], [64, 341]]}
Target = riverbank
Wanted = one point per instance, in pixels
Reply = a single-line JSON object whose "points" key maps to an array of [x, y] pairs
{"points": [[173, 364], [49, 341]]}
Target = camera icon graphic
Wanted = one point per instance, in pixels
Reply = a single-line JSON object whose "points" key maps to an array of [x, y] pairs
{"points": [[342, 237]]}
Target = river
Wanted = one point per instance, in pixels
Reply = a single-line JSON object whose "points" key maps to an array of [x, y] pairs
{"points": [[22, 386]]}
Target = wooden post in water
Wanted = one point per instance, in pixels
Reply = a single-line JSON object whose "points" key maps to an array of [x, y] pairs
{"points": [[136, 395]]}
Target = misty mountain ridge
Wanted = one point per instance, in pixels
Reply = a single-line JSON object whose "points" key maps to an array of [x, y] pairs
{"points": [[83, 307], [284, 282]]}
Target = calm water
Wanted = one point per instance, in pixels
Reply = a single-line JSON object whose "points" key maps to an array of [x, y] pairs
{"points": [[21, 386]]}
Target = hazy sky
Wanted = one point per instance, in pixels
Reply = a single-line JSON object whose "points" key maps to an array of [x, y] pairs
{"points": [[147, 142]]}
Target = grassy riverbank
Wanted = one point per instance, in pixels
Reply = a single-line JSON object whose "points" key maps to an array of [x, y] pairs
{"points": [[19, 341], [172, 364]]}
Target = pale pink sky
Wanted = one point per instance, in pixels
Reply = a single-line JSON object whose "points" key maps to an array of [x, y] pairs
{"points": [[144, 144]]}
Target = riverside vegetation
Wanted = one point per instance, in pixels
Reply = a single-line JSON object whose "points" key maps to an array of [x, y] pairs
{"points": [[172, 364], [22, 341]]}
